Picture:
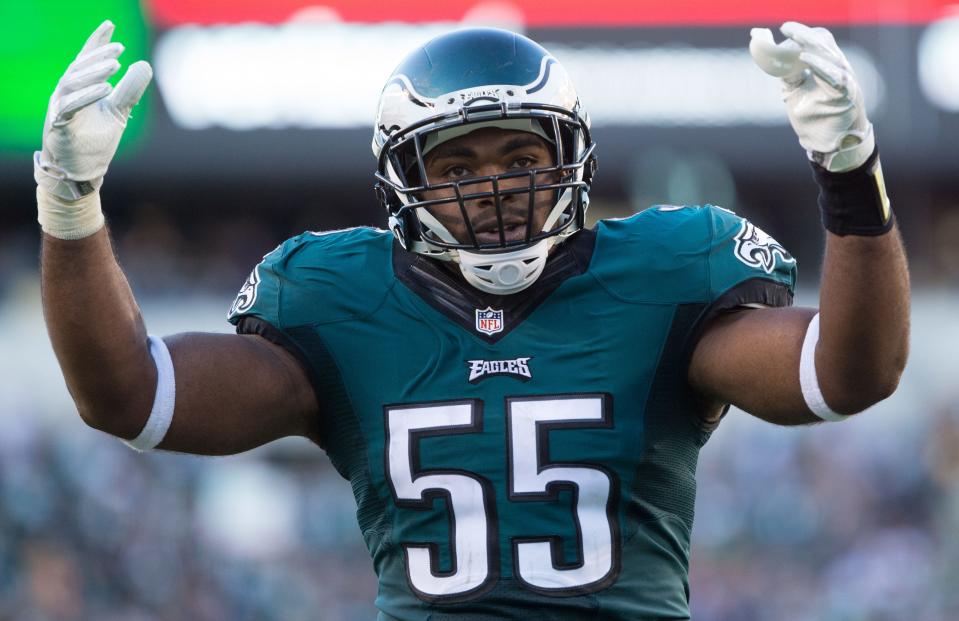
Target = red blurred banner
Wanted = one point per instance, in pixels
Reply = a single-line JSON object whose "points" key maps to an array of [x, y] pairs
{"points": [[556, 13]]}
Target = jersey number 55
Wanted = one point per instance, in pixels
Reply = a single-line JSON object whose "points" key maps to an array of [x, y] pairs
{"points": [[537, 560]]}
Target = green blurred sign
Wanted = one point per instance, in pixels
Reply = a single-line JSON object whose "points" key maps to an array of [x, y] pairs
{"points": [[42, 37]]}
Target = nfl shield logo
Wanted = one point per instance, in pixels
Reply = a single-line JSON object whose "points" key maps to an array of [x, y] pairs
{"points": [[489, 321]]}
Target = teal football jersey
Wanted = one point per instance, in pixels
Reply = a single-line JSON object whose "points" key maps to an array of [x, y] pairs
{"points": [[523, 456]]}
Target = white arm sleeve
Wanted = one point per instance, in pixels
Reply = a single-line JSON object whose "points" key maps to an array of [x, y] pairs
{"points": [[162, 413], [809, 380]]}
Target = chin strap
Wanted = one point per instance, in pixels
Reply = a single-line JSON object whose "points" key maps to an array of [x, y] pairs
{"points": [[504, 273], [499, 273]]}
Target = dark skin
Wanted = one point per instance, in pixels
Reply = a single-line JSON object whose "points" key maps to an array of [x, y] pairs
{"points": [[863, 338], [481, 153], [224, 382]]}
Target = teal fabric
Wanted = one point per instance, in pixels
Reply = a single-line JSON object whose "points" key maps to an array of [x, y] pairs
{"points": [[617, 332]]}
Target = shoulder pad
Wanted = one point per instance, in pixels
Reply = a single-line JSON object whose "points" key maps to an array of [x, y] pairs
{"points": [[684, 254], [318, 277], [741, 251], [653, 256]]}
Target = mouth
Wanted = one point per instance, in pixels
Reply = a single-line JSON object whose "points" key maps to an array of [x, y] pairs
{"points": [[512, 231]]}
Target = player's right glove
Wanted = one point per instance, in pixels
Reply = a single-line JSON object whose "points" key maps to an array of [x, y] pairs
{"points": [[826, 110], [85, 120], [823, 98]]}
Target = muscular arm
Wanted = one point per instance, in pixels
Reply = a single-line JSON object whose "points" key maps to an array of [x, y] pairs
{"points": [[750, 358], [232, 392]]}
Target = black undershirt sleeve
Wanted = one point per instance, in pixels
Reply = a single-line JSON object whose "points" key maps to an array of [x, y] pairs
{"points": [[250, 324], [754, 292]]}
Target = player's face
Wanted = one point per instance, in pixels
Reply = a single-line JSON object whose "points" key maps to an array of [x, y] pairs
{"points": [[484, 152]]}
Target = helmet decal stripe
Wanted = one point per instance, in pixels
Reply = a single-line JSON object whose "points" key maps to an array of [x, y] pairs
{"points": [[409, 93], [542, 82]]}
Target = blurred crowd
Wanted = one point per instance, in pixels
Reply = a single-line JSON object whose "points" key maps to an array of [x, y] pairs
{"points": [[92, 530], [849, 522]]}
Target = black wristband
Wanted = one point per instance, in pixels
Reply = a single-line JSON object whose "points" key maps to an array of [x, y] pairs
{"points": [[854, 202]]}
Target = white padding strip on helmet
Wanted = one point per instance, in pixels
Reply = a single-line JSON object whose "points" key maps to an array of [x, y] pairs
{"points": [[558, 209], [434, 225], [437, 138], [162, 413], [808, 379]]}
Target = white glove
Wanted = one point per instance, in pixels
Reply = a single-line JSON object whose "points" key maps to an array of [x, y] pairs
{"points": [[823, 98], [85, 120]]}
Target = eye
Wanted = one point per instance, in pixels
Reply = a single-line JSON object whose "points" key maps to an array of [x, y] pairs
{"points": [[524, 162], [456, 172]]}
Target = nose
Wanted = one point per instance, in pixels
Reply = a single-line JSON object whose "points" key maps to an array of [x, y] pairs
{"points": [[485, 186], [489, 185]]}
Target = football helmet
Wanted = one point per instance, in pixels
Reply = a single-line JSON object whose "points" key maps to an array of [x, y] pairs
{"points": [[474, 79]]}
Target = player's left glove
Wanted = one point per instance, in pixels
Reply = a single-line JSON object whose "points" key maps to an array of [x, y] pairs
{"points": [[823, 98]]}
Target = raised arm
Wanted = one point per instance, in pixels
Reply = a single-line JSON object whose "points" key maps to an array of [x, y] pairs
{"points": [[788, 365], [230, 393], [751, 358]]}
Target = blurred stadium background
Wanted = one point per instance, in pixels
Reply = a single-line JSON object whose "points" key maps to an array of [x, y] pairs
{"points": [[258, 127]]}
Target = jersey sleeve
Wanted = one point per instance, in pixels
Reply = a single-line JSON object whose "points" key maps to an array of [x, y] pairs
{"points": [[745, 266], [257, 307], [260, 294]]}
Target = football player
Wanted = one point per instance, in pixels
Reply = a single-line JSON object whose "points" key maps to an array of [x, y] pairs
{"points": [[517, 400]]}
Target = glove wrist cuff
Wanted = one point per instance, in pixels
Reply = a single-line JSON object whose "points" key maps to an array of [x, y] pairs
{"points": [[65, 219], [854, 202], [850, 158], [56, 181]]}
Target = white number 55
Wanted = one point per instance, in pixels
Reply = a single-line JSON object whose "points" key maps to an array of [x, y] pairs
{"points": [[533, 477]]}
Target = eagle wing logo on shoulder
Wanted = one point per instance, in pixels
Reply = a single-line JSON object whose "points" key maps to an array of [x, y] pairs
{"points": [[246, 298], [758, 249]]}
